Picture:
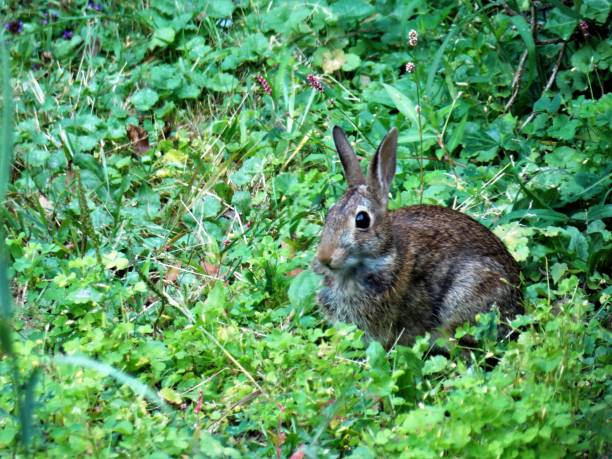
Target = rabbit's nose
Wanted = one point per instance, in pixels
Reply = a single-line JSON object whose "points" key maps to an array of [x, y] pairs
{"points": [[324, 257]]}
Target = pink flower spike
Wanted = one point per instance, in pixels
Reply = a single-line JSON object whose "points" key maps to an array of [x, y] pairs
{"points": [[264, 84], [315, 82], [410, 67]]}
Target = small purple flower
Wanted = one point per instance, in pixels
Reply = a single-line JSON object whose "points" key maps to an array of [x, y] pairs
{"points": [[94, 6], [14, 27], [49, 16], [584, 28], [67, 34], [315, 82]]}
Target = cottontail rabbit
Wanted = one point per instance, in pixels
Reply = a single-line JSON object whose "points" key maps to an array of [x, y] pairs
{"points": [[398, 274]]}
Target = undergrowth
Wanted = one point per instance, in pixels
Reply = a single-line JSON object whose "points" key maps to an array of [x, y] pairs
{"points": [[172, 166]]}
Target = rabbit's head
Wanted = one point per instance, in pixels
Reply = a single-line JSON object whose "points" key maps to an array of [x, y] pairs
{"points": [[357, 233]]}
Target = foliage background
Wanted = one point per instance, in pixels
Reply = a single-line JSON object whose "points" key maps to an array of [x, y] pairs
{"points": [[164, 206]]}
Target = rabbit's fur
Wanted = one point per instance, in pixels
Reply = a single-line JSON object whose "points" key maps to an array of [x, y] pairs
{"points": [[413, 270]]}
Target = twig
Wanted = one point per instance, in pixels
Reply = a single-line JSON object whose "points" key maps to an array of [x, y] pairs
{"points": [[516, 81], [549, 83], [551, 41], [243, 401]]}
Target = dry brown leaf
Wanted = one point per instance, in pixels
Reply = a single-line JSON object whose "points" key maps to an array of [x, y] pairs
{"points": [[139, 138], [210, 269], [173, 273], [294, 272], [45, 203]]}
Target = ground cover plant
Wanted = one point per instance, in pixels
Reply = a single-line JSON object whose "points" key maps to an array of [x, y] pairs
{"points": [[171, 168]]}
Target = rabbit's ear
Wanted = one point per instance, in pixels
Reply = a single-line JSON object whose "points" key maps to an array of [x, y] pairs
{"points": [[382, 167], [349, 160]]}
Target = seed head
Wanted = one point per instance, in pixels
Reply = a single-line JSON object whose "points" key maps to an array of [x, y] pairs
{"points": [[413, 38]]}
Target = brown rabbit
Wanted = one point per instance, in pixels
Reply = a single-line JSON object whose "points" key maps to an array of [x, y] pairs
{"points": [[398, 274]]}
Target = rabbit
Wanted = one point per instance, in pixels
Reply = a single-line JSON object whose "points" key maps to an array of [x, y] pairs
{"points": [[401, 273]]}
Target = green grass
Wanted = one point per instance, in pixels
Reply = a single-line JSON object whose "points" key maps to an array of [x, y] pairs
{"points": [[163, 304]]}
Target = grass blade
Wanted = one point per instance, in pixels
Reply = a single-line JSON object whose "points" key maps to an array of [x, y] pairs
{"points": [[26, 411], [6, 145]]}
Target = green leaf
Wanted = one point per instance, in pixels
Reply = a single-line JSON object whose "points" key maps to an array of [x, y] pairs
{"points": [[435, 364], [352, 9], [548, 104], [219, 8], [405, 106], [211, 206], [557, 270], [165, 77], [560, 24], [250, 168], [140, 389], [597, 10], [162, 38], [516, 238], [352, 61], [144, 99], [303, 288], [222, 82], [171, 396]]}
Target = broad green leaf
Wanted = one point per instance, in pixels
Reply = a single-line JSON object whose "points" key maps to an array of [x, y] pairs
{"points": [[560, 24], [144, 99], [222, 82], [557, 270], [162, 38], [516, 238], [435, 364], [352, 9], [219, 8], [597, 10], [303, 287]]}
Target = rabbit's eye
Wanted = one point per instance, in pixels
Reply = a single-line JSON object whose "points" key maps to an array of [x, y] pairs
{"points": [[362, 220]]}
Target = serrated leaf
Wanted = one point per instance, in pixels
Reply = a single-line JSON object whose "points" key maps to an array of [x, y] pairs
{"points": [[434, 364], [557, 270]]}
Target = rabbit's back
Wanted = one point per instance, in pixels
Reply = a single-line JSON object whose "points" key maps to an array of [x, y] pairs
{"points": [[452, 268]]}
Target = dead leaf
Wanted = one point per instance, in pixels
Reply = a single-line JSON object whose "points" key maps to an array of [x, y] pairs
{"points": [[294, 272], [173, 273], [139, 138], [333, 60], [45, 204], [210, 269]]}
